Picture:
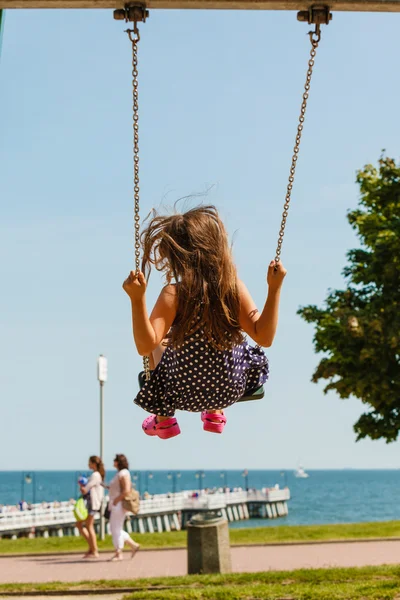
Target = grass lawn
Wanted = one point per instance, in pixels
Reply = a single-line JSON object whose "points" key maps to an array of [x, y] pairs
{"points": [[262, 535], [378, 583]]}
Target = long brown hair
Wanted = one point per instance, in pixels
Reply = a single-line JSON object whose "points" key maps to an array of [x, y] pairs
{"points": [[96, 460], [192, 248], [122, 462]]}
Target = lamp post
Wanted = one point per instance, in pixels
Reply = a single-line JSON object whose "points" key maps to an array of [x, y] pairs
{"points": [[174, 477], [245, 474], [148, 476], [224, 478], [102, 374], [177, 476], [200, 476], [28, 478], [137, 482]]}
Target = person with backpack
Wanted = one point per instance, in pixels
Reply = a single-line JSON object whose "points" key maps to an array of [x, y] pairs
{"points": [[123, 499]]}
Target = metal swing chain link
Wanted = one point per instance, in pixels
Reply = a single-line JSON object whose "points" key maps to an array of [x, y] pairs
{"points": [[135, 38], [315, 37]]}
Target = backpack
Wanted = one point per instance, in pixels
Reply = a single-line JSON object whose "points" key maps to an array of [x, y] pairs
{"points": [[81, 512], [131, 502]]}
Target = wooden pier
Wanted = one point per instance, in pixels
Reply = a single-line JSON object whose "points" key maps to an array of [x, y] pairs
{"points": [[163, 512]]}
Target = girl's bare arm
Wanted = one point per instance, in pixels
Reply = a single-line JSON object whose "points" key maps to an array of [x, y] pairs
{"points": [[148, 332], [262, 327]]}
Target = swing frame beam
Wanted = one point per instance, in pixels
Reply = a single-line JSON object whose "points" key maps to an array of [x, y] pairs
{"points": [[295, 5]]}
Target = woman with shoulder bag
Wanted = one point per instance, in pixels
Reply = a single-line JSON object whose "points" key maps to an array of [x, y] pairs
{"points": [[93, 492], [120, 488]]}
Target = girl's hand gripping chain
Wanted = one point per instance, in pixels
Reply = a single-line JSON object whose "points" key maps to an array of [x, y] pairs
{"points": [[135, 285]]}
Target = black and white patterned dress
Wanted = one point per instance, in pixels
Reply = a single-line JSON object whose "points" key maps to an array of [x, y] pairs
{"points": [[196, 377]]}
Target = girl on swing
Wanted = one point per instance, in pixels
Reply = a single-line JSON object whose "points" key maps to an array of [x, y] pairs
{"points": [[195, 333]]}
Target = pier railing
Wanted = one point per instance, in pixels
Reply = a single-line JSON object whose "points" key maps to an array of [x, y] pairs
{"points": [[269, 495], [38, 516], [62, 514]]}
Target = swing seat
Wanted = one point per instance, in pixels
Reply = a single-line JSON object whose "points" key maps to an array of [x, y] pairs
{"points": [[254, 394]]}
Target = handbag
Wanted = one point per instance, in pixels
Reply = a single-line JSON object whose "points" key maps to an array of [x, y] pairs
{"points": [[131, 502], [107, 513], [81, 512]]}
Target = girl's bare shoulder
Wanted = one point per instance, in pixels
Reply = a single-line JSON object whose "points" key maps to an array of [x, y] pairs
{"points": [[171, 288], [242, 289], [169, 295]]}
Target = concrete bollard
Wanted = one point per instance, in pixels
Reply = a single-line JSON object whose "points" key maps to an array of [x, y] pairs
{"points": [[208, 544]]}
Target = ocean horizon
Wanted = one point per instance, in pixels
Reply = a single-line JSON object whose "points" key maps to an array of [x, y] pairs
{"points": [[327, 496]]}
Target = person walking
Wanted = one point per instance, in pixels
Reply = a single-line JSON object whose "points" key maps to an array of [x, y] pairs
{"points": [[93, 493], [119, 488]]}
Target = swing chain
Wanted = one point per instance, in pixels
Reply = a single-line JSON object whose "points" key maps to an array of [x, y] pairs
{"points": [[315, 38], [134, 37]]}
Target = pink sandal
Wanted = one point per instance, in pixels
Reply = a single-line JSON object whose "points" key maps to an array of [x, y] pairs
{"points": [[213, 422], [165, 430]]}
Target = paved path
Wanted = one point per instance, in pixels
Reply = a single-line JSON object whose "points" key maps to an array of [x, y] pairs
{"points": [[156, 563]]}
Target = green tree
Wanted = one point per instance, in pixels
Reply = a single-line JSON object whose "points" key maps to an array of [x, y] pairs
{"points": [[358, 328]]}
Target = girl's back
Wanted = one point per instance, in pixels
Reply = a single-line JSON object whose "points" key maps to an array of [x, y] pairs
{"points": [[193, 251]]}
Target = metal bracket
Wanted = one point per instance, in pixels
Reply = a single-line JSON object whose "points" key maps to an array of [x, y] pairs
{"points": [[2, 16], [137, 13], [316, 14]]}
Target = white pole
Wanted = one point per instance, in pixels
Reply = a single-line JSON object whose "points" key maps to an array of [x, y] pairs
{"points": [[102, 420], [102, 373]]}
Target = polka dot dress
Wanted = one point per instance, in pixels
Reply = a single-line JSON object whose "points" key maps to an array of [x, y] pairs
{"points": [[196, 377]]}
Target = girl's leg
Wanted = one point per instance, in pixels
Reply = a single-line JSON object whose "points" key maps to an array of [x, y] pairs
{"points": [[81, 525], [213, 421], [160, 419], [92, 535], [125, 538], [155, 358], [117, 519], [134, 546], [82, 530]]}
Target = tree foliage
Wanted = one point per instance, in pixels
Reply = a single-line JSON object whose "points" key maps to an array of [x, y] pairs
{"points": [[358, 329]]}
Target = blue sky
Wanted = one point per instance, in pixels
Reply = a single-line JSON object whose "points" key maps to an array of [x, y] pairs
{"points": [[219, 99]]}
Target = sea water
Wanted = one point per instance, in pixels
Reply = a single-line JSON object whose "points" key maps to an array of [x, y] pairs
{"points": [[343, 496]]}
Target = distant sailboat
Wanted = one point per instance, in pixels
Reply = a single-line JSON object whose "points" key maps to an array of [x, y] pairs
{"points": [[301, 473]]}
